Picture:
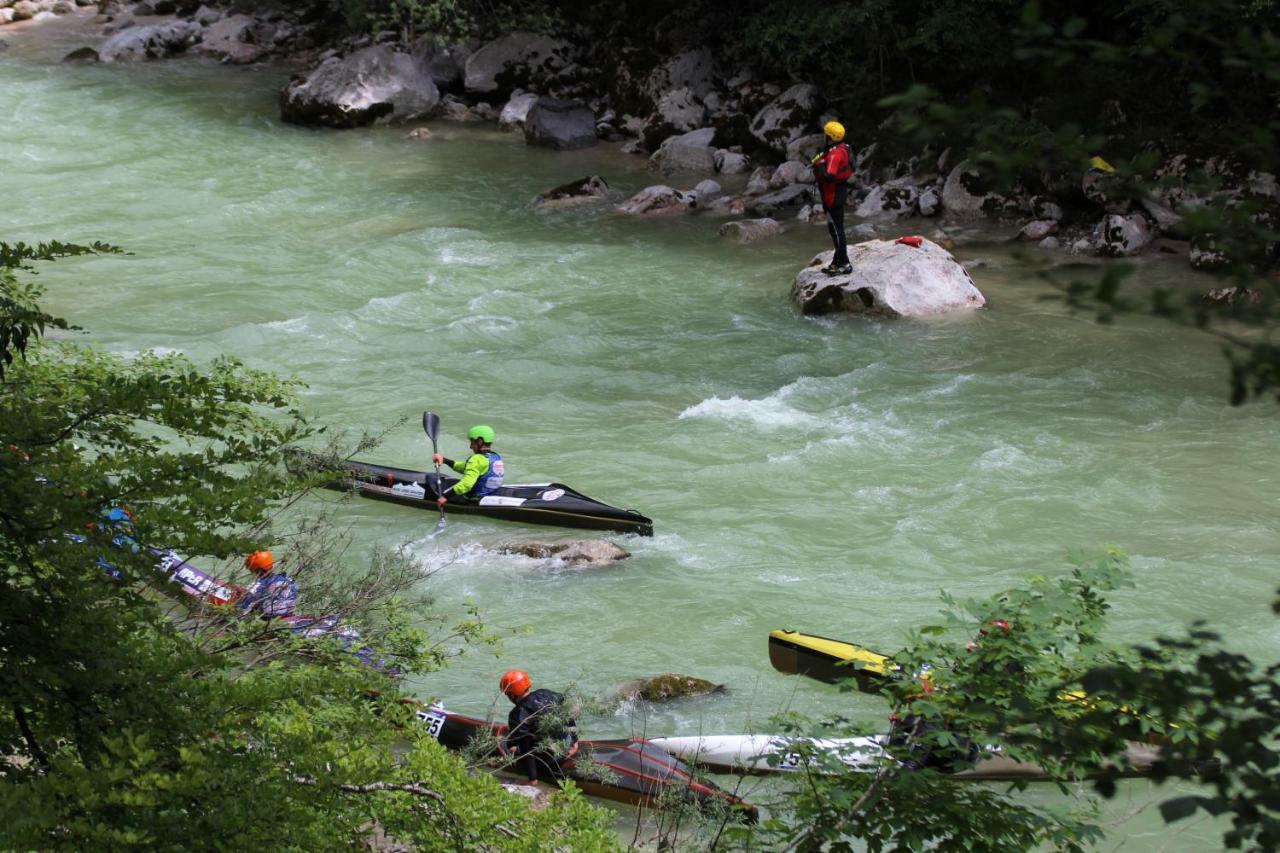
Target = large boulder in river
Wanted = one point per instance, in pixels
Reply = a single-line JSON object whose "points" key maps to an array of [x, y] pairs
{"points": [[695, 70], [592, 552], [892, 199], [517, 59], [516, 111], [151, 42], [659, 688], [561, 124], [373, 84], [787, 117], [590, 188], [658, 201], [689, 152], [889, 279]]}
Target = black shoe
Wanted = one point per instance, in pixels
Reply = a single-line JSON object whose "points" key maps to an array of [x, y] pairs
{"points": [[832, 269]]}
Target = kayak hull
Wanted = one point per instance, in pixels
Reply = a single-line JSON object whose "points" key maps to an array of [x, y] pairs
{"points": [[638, 772], [832, 661], [551, 504]]}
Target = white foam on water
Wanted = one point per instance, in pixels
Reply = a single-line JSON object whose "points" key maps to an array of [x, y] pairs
{"points": [[770, 412], [1001, 456], [292, 326]]}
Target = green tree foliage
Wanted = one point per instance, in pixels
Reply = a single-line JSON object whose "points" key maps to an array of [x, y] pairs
{"points": [[129, 718], [1028, 674]]}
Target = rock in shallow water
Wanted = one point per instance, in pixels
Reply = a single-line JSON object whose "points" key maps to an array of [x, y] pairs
{"points": [[590, 188], [376, 83], [889, 279], [659, 688], [593, 552]]}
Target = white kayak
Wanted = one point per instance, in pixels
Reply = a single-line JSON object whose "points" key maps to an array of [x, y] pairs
{"points": [[763, 754], [770, 753]]}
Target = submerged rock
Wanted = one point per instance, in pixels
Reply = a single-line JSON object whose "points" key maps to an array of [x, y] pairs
{"points": [[373, 84], [658, 200], [592, 552], [751, 230], [889, 279], [659, 688], [590, 188]]}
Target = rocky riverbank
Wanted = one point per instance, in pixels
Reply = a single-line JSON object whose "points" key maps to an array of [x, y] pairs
{"points": [[692, 117]]}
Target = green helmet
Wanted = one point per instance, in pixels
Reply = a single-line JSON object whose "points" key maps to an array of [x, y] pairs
{"points": [[482, 432]]}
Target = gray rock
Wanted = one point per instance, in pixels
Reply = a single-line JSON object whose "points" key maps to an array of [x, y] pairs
{"points": [[1050, 243], [590, 188], [695, 70], [453, 108], [787, 116], [1164, 216], [659, 688], [515, 60], [793, 195], [689, 152], [966, 194], [232, 40], [1122, 236], [889, 279], [758, 183], [677, 111], [707, 191], [24, 10], [594, 552], [561, 124], [929, 203], [657, 201], [63, 7], [805, 148], [444, 61], [1038, 229], [790, 172], [6, 16], [81, 55], [373, 84], [420, 133], [205, 16], [516, 111], [1204, 253], [890, 200], [1046, 208], [730, 162], [751, 230], [812, 214], [150, 42]]}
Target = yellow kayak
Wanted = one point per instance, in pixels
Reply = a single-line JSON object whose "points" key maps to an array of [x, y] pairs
{"points": [[828, 660]]}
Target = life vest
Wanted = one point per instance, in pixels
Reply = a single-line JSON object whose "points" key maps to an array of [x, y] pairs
{"points": [[843, 170], [492, 480]]}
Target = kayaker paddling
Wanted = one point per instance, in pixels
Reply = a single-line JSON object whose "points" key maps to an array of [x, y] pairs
{"points": [[274, 594], [481, 472], [540, 732]]}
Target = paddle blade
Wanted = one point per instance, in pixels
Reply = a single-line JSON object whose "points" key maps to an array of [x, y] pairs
{"points": [[431, 424]]}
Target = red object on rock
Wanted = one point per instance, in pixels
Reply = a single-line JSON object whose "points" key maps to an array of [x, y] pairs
{"points": [[913, 242]]}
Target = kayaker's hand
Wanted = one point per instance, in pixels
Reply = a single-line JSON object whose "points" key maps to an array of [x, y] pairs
{"points": [[441, 501], [437, 458]]}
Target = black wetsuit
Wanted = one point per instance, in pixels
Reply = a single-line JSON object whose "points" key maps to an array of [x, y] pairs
{"points": [[539, 733]]}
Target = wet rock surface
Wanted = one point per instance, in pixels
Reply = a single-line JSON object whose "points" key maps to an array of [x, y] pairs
{"points": [[661, 688]]}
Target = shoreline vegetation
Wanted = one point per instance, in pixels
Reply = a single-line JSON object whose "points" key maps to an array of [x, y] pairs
{"points": [[1118, 130]]}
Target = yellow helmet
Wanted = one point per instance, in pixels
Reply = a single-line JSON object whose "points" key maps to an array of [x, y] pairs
{"points": [[834, 130]]}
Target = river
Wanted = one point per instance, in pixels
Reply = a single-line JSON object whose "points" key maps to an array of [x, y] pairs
{"points": [[829, 475]]}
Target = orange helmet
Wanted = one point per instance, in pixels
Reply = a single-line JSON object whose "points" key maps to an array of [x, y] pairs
{"points": [[515, 683], [260, 561]]}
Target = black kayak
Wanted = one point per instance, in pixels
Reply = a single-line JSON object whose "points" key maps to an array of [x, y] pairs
{"points": [[534, 503], [626, 771]]}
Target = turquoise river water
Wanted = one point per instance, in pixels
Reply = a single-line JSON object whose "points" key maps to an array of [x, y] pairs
{"points": [[828, 475]]}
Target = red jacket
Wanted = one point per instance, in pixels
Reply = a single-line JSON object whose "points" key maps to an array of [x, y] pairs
{"points": [[832, 171]]}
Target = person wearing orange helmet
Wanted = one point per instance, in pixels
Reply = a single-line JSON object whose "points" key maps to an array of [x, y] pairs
{"points": [[273, 595], [540, 731]]}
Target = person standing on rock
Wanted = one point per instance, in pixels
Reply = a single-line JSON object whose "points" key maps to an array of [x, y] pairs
{"points": [[832, 168]]}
